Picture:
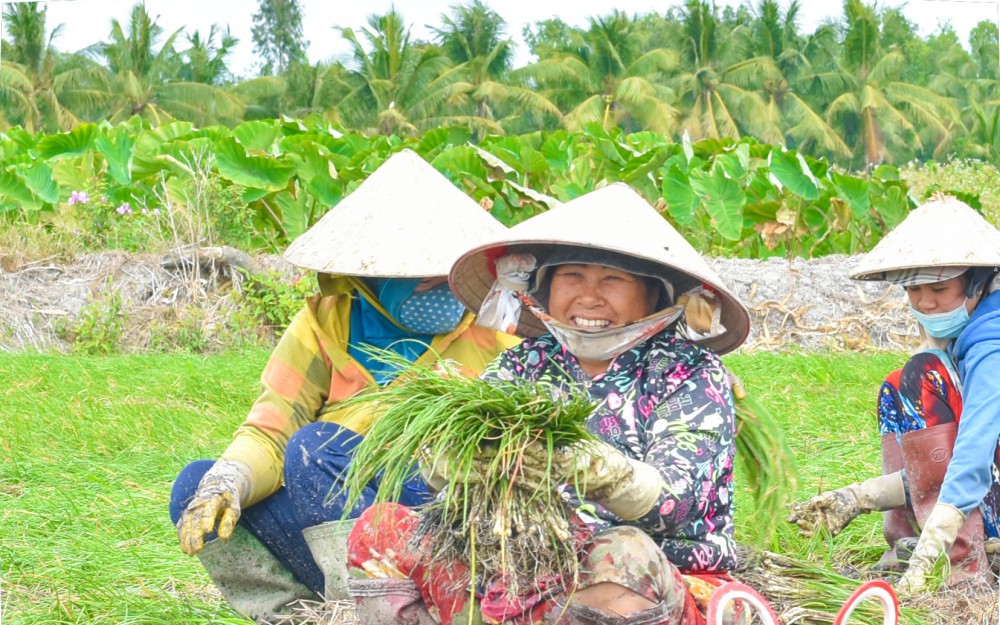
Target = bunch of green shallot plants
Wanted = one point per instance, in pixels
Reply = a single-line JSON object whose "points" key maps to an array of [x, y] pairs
{"points": [[472, 436]]}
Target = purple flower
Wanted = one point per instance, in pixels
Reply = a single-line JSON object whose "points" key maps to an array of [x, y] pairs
{"points": [[144, 211], [124, 209], [78, 197], [156, 211]]}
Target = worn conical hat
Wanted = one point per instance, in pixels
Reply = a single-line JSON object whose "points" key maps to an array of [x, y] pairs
{"points": [[614, 218], [943, 232], [405, 220]]}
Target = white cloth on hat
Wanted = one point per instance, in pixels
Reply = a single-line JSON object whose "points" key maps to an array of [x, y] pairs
{"points": [[922, 275]]}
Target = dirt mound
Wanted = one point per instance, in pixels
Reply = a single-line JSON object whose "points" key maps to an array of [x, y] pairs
{"points": [[808, 304]]}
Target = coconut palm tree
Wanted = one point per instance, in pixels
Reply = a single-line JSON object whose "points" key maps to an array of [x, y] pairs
{"points": [[41, 88], [205, 61], [473, 38], [774, 34], [613, 79], [402, 87], [719, 86], [881, 116], [145, 81]]}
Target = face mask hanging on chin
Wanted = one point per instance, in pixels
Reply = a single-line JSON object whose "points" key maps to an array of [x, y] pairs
{"points": [[946, 325], [609, 343]]}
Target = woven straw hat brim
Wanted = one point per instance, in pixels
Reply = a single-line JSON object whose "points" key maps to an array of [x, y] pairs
{"points": [[406, 220], [943, 232], [614, 218]]}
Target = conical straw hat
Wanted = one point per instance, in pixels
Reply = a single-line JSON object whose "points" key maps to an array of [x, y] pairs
{"points": [[613, 218], [406, 220], [943, 232]]}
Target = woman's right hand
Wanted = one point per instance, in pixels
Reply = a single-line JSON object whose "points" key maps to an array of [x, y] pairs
{"points": [[217, 501]]}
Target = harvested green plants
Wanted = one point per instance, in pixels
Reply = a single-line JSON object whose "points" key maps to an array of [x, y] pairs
{"points": [[497, 509]]}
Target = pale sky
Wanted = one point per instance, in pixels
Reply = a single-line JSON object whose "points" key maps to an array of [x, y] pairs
{"points": [[88, 21]]}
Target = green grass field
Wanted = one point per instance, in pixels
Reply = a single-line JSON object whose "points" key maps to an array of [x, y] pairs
{"points": [[89, 447]]}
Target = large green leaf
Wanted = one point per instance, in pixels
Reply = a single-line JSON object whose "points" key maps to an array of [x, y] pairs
{"points": [[257, 135], [295, 213], [309, 158], [326, 190], [853, 190], [38, 177], [792, 174], [74, 174], [681, 200], [117, 150], [264, 172], [892, 206], [15, 188], [724, 200], [73, 143]]}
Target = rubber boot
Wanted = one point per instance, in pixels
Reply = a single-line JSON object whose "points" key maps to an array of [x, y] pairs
{"points": [[250, 578], [389, 601], [926, 454], [897, 523], [328, 544]]}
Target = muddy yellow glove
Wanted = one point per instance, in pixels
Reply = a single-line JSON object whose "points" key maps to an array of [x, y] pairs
{"points": [[834, 509], [216, 502], [626, 486], [936, 538]]}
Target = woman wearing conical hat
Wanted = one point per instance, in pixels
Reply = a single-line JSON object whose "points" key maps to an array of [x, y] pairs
{"points": [[939, 416], [625, 310], [262, 519]]}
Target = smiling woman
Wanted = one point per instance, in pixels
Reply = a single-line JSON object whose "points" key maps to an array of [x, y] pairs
{"points": [[614, 311]]}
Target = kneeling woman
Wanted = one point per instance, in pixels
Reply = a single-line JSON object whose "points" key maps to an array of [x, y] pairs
{"points": [[601, 278], [939, 416]]}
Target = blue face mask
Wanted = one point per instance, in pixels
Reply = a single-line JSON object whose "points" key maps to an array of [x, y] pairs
{"points": [[946, 325], [435, 311]]}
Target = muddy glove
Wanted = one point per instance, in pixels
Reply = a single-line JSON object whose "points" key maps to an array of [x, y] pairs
{"points": [[939, 534], [834, 509], [217, 500], [626, 486]]}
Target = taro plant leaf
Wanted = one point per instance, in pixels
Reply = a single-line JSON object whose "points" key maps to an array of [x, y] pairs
{"points": [[295, 213], [39, 179], [256, 135], [75, 174], [791, 172], [681, 200], [261, 171], [73, 143], [731, 164], [309, 158], [172, 131], [15, 188], [854, 190], [117, 150], [326, 190], [724, 200], [439, 139], [886, 173], [892, 207], [533, 162]]}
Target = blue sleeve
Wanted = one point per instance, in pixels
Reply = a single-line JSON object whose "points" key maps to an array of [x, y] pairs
{"points": [[970, 472]]}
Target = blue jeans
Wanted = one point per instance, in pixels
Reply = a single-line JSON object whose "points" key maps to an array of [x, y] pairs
{"points": [[316, 462]]}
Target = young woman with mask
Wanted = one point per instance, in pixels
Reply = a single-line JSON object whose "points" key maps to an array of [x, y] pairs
{"points": [[939, 416], [608, 294], [263, 519]]}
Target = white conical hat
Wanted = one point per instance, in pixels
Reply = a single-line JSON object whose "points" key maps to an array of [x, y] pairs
{"points": [[614, 218], [943, 232], [406, 220]]}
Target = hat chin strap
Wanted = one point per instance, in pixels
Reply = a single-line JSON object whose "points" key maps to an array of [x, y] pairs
{"points": [[611, 342]]}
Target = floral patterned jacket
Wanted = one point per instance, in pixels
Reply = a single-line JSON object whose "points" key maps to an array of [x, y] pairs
{"points": [[668, 403]]}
